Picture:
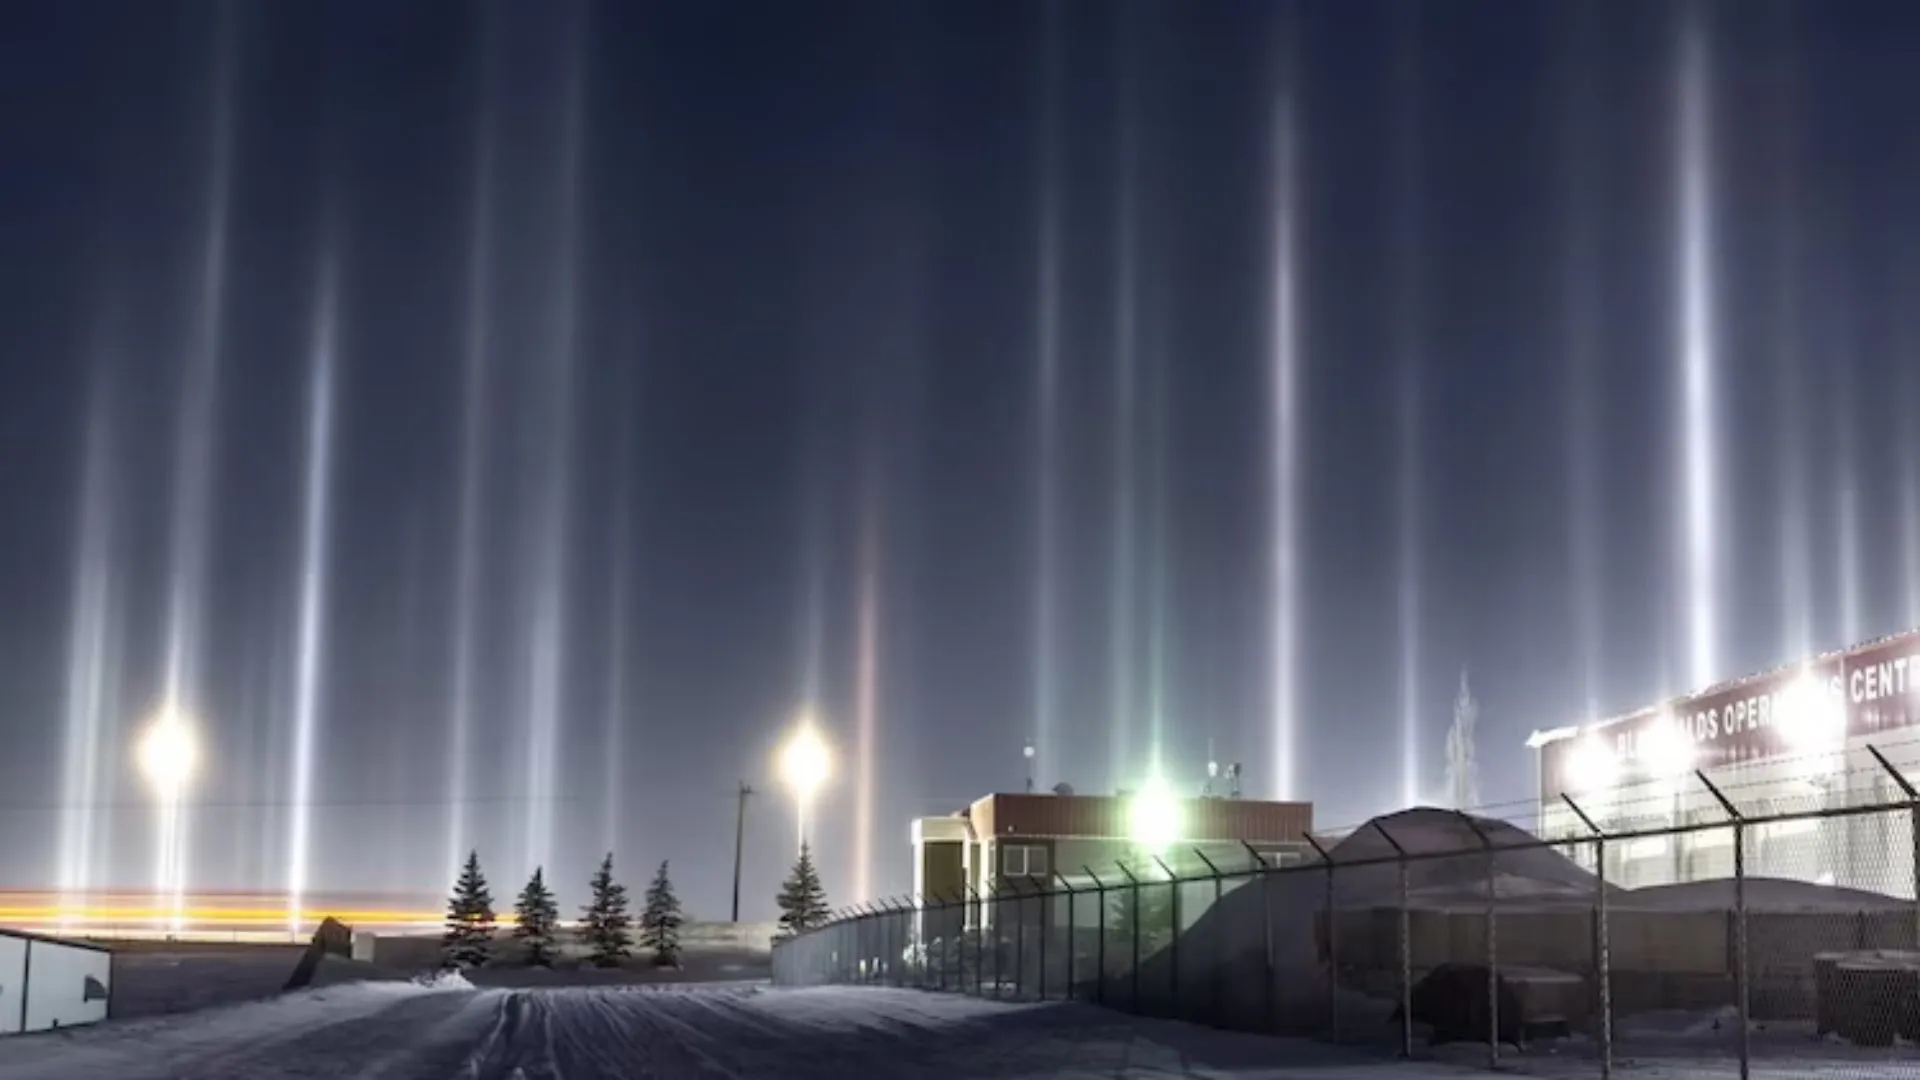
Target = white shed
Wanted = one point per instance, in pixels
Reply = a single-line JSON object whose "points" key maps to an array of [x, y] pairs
{"points": [[47, 983]]}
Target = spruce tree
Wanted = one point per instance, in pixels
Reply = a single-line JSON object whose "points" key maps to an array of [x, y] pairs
{"points": [[660, 922], [468, 940], [802, 899], [607, 926], [1150, 904], [536, 918]]}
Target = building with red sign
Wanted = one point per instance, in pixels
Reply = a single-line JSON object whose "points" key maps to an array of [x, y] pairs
{"points": [[1799, 738]]}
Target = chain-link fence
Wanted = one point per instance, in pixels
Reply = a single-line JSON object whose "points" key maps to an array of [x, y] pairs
{"points": [[1759, 934]]}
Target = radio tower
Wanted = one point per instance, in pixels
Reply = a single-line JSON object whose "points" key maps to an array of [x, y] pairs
{"points": [[1463, 774]]}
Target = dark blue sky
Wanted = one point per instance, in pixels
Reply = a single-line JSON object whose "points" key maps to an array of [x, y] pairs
{"points": [[805, 286]]}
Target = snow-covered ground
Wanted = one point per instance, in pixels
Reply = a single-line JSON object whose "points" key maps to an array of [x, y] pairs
{"points": [[409, 1031], [402, 1031]]}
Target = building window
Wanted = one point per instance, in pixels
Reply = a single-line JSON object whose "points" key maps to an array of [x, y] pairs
{"points": [[1023, 860]]}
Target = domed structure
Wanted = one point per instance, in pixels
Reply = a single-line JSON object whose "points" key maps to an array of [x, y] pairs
{"points": [[1449, 861]]}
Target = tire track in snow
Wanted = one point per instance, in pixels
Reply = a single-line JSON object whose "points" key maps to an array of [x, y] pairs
{"points": [[604, 1033]]}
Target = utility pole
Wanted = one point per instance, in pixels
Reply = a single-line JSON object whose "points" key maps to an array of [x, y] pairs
{"points": [[739, 841]]}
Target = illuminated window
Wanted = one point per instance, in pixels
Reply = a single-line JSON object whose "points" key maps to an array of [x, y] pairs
{"points": [[1023, 860]]}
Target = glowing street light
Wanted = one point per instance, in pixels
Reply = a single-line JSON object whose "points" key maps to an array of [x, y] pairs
{"points": [[1155, 817], [804, 766], [168, 755], [1592, 767]]}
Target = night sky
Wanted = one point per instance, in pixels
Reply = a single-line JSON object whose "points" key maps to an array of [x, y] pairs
{"points": [[674, 351]]}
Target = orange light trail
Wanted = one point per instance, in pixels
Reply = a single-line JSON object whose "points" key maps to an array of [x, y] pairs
{"points": [[249, 912]]}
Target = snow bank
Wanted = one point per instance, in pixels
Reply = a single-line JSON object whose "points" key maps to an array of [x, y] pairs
{"points": [[149, 983], [1768, 895], [195, 1044]]}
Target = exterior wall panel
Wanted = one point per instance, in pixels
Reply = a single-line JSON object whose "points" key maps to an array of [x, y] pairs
{"points": [[46, 983], [13, 968], [67, 985], [1106, 816]]}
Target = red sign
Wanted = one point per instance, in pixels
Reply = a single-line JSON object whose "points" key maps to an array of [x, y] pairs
{"points": [[1794, 711]]}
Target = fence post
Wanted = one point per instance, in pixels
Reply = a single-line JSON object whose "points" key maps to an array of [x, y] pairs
{"points": [[994, 898], [889, 916], [1266, 932], [863, 929], [896, 974], [1133, 921], [936, 976], [917, 934], [1913, 831], [1603, 949], [902, 923], [1742, 987], [1019, 938], [1173, 938], [1044, 920], [1493, 946], [957, 946], [1219, 939], [1073, 942], [1333, 944], [860, 946], [930, 977], [1100, 947], [1406, 941], [949, 942], [979, 942]]}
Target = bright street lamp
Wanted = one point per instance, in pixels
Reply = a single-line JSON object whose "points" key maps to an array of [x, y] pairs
{"points": [[1155, 816], [168, 754], [804, 767]]}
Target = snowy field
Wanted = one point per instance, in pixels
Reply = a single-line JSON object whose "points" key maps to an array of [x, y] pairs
{"points": [[401, 1031], [409, 1031]]}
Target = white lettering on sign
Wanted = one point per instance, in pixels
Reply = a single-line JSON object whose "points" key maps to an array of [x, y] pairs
{"points": [[1883, 679], [1729, 720]]}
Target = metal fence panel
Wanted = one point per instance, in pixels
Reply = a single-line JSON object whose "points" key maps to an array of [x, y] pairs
{"points": [[1767, 931]]}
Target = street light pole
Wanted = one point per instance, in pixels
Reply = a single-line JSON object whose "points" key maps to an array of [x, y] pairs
{"points": [[739, 841]]}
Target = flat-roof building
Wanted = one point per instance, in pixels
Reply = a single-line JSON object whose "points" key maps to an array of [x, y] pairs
{"points": [[1028, 842]]}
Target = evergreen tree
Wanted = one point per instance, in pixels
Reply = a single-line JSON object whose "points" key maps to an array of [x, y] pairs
{"points": [[802, 899], [469, 935], [607, 926], [536, 918], [660, 922], [1148, 905]]}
